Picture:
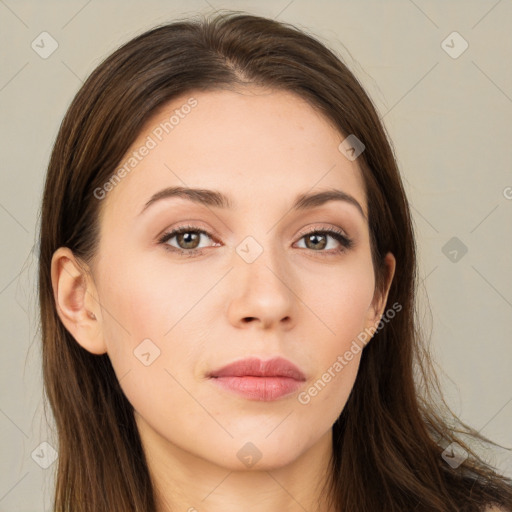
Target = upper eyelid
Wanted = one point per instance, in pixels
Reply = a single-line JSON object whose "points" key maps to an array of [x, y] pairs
{"points": [[190, 227], [323, 229]]}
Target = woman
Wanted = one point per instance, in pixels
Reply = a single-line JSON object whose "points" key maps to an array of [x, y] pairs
{"points": [[227, 282]]}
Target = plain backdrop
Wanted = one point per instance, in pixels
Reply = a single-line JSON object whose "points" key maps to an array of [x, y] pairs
{"points": [[447, 108]]}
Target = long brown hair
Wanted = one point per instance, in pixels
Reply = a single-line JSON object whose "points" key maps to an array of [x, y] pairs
{"points": [[387, 442]]}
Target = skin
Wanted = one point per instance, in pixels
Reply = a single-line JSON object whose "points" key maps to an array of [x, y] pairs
{"points": [[261, 148]]}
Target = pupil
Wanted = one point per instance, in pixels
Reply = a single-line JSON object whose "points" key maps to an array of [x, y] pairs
{"points": [[189, 239], [315, 237]]}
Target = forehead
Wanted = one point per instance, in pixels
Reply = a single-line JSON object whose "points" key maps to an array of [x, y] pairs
{"points": [[248, 143]]}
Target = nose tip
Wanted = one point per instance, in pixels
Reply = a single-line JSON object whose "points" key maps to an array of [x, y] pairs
{"points": [[260, 295]]}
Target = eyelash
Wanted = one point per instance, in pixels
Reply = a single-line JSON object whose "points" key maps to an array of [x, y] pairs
{"points": [[345, 242]]}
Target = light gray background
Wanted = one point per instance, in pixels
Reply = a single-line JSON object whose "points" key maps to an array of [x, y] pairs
{"points": [[450, 122]]}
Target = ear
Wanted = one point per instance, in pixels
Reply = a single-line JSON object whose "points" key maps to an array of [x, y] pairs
{"points": [[76, 301], [376, 309]]}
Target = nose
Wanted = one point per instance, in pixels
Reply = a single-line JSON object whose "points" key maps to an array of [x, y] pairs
{"points": [[262, 293]]}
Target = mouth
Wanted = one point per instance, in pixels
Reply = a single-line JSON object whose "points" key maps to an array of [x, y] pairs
{"points": [[255, 379]]}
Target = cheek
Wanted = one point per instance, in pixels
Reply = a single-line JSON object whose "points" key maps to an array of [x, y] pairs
{"points": [[153, 314], [341, 300], [145, 327], [147, 300], [133, 319], [341, 304]]}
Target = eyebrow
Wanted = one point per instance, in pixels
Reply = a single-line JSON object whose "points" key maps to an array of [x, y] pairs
{"points": [[217, 199]]}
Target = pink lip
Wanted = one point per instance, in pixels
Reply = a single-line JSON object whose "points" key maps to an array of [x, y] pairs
{"points": [[259, 380]]}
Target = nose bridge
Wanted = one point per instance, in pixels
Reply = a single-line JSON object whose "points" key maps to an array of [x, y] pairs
{"points": [[262, 289], [263, 261]]}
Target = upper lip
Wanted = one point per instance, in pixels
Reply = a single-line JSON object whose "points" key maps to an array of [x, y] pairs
{"points": [[254, 367]]}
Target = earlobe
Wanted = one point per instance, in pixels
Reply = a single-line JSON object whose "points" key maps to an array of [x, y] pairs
{"points": [[74, 293]]}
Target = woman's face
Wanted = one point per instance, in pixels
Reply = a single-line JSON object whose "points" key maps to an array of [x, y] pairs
{"points": [[246, 279]]}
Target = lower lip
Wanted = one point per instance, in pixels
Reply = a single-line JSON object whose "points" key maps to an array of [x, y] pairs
{"points": [[259, 388]]}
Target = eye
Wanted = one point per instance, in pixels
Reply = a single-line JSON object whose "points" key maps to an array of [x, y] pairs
{"points": [[187, 241], [187, 238], [318, 240]]}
